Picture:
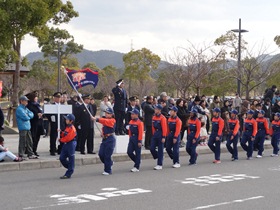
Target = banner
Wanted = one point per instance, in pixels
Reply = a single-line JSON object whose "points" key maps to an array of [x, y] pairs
{"points": [[82, 77]]}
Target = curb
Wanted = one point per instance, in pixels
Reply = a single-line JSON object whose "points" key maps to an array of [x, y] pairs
{"points": [[80, 161]]}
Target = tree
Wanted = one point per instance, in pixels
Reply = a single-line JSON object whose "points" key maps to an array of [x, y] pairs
{"points": [[138, 66], [40, 76], [21, 17]]}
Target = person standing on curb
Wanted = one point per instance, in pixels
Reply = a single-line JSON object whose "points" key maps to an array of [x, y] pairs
{"points": [[108, 140], [135, 131], [159, 134], [23, 116], [68, 138], [249, 133], [216, 134], [174, 137], [233, 136], [193, 136], [275, 134]]}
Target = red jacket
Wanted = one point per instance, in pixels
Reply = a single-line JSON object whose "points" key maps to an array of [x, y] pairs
{"points": [[251, 126], [195, 126], [262, 124], [234, 126], [68, 134], [217, 125]]}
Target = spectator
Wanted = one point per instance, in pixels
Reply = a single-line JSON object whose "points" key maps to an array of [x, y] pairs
{"points": [[237, 101], [46, 123], [37, 127], [267, 110], [148, 113], [215, 104], [104, 105], [4, 151], [270, 92], [183, 115], [276, 98], [2, 119], [276, 108], [23, 117]]}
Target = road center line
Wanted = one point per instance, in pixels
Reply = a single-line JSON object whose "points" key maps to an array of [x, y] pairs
{"points": [[228, 203]]}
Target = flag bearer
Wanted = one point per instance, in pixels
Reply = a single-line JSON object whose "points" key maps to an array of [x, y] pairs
{"points": [[249, 134], [275, 134], [215, 138], [108, 140], [159, 130], [173, 137], [263, 130], [233, 136], [68, 138], [194, 126], [135, 131]]}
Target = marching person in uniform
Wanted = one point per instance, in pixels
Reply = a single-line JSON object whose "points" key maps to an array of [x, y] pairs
{"points": [[135, 131], [194, 127], [275, 134], [159, 131], [87, 127], [174, 137], [249, 133], [120, 106], [263, 130], [216, 134], [68, 138], [233, 136], [108, 140], [131, 106]]}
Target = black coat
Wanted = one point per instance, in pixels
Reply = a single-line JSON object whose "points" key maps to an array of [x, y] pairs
{"points": [[183, 115], [148, 114], [120, 97], [1, 119], [36, 122], [267, 111], [83, 117], [53, 124]]}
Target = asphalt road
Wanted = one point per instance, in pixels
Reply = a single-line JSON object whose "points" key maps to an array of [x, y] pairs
{"points": [[246, 184]]}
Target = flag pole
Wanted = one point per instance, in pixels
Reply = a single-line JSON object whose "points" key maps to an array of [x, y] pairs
{"points": [[80, 95]]}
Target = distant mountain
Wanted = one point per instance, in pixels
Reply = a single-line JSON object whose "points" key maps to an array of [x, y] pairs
{"points": [[101, 58]]}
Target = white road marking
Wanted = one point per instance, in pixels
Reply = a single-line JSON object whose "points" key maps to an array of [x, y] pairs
{"points": [[85, 198], [215, 179], [227, 203]]}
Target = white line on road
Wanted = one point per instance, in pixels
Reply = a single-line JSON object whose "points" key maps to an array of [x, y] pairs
{"points": [[228, 203]]}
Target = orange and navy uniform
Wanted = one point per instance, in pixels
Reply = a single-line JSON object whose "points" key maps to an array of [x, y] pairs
{"points": [[136, 128], [174, 126], [250, 127], [69, 134], [262, 124], [217, 126], [159, 128], [194, 127], [234, 126], [108, 125], [275, 128]]}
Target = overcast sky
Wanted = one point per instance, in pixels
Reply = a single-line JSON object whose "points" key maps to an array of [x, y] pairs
{"points": [[164, 25]]}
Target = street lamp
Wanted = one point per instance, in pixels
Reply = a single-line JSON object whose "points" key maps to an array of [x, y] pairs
{"points": [[239, 31]]}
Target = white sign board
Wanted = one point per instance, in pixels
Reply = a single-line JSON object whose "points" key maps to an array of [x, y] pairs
{"points": [[121, 144]]}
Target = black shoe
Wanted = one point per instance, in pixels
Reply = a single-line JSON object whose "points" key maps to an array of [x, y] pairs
{"points": [[52, 154], [2, 161], [93, 153], [65, 177], [83, 153], [117, 133], [35, 153], [18, 159], [122, 133]]}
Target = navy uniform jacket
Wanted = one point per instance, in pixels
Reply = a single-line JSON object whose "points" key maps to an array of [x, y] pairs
{"points": [[54, 123], [120, 99], [84, 117]]}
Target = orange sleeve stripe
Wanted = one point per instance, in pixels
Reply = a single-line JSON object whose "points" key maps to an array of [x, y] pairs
{"points": [[71, 134], [107, 122], [255, 127], [178, 127], [266, 126], [198, 128], [221, 126], [163, 123], [140, 130], [236, 128]]}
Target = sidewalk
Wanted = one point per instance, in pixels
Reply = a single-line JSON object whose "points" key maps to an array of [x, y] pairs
{"points": [[47, 161]]}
